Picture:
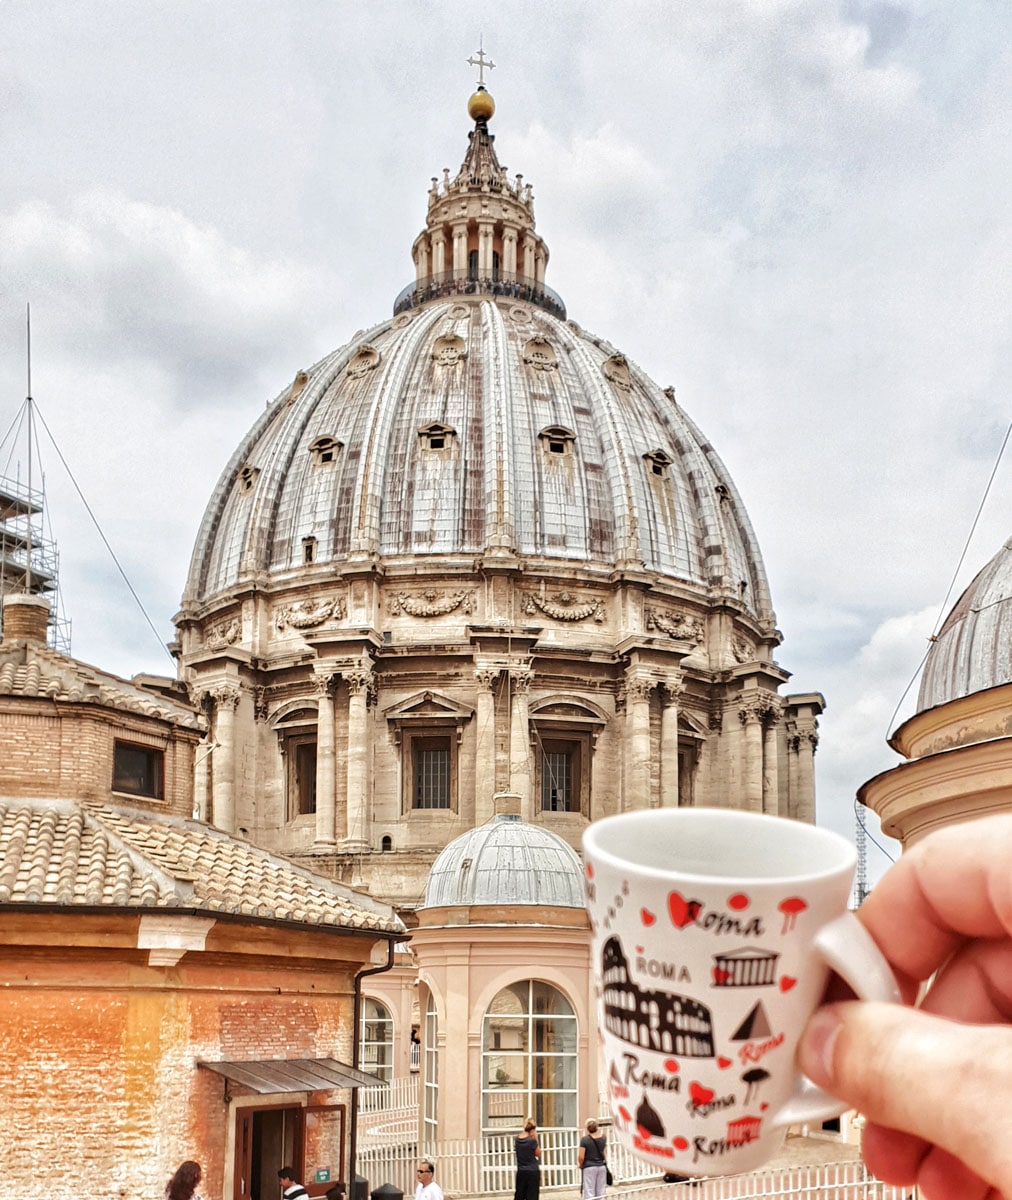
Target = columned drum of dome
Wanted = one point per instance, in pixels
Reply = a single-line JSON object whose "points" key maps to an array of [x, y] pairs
{"points": [[478, 550]]}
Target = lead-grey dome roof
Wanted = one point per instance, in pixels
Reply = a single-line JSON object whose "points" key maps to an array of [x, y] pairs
{"points": [[973, 650], [477, 426], [506, 862]]}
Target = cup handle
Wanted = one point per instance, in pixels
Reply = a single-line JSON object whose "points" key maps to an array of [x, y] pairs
{"points": [[848, 948]]}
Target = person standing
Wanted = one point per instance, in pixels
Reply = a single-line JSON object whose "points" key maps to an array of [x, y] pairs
{"points": [[593, 1167], [528, 1151], [291, 1189], [427, 1188], [183, 1185]]}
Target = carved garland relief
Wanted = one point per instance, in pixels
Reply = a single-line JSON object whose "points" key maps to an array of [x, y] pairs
{"points": [[223, 634], [304, 614], [675, 625], [430, 603], [564, 606]]}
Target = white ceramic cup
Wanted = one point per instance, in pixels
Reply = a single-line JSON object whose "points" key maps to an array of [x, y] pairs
{"points": [[714, 934]]}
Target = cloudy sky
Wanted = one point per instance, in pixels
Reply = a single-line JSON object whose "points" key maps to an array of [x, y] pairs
{"points": [[794, 211]]}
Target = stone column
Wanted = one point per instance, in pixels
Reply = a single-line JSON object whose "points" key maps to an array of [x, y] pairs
{"points": [[771, 766], [201, 766], [509, 253], [326, 781], [359, 682], [670, 693], [485, 250], [528, 249], [637, 746], [460, 251], [226, 700], [438, 252], [484, 751], [751, 793], [520, 739], [808, 740]]}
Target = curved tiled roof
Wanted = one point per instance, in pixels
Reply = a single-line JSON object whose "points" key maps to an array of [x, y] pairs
{"points": [[31, 668], [86, 855], [973, 649], [506, 862]]}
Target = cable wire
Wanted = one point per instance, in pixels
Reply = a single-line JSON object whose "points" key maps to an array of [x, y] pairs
{"points": [[105, 540], [944, 609]]}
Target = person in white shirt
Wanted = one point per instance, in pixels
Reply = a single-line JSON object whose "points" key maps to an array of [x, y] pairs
{"points": [[427, 1188], [291, 1189]]}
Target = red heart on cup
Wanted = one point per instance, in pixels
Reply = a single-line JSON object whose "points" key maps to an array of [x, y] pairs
{"points": [[724, 1063], [738, 901], [720, 975], [647, 917], [670, 1065], [683, 912], [787, 982], [680, 1143], [700, 1094]]}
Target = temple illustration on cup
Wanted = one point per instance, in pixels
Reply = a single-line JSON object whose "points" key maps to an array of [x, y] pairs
{"points": [[748, 967], [653, 1019]]}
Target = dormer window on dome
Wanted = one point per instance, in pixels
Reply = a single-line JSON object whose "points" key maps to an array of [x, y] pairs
{"points": [[436, 436], [659, 462], [248, 477], [324, 450], [556, 439]]}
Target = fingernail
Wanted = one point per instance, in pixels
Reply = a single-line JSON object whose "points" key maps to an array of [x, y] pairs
{"points": [[818, 1045]]}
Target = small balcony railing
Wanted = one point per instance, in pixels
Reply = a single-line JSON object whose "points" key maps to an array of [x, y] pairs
{"points": [[453, 283]]}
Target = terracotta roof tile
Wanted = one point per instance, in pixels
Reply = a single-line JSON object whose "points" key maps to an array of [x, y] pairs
{"points": [[87, 854], [34, 669]]}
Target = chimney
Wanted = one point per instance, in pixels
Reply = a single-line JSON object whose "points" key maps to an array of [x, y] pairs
{"points": [[506, 804], [25, 618]]}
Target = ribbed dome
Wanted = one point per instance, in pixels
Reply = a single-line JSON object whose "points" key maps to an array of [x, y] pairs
{"points": [[469, 427], [506, 862], [973, 651]]}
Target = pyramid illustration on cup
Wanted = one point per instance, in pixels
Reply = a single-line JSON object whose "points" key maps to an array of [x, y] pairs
{"points": [[653, 1019]]}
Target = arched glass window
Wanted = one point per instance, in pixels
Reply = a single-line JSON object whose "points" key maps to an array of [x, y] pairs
{"points": [[528, 1058], [376, 1040], [430, 1119]]}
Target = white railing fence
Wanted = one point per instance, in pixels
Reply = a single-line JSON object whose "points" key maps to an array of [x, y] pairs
{"points": [[468, 1168], [388, 1152], [399, 1093], [832, 1181]]}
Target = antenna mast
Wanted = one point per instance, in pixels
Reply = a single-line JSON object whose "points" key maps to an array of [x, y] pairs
{"points": [[861, 881]]}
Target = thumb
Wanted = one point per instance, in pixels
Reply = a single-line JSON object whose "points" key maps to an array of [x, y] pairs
{"points": [[947, 1083]]}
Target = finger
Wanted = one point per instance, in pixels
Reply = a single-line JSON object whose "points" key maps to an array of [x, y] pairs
{"points": [[947, 1083], [900, 1159], [953, 885], [975, 985]]}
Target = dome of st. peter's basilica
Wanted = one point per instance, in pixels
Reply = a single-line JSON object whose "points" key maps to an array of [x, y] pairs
{"points": [[477, 550]]}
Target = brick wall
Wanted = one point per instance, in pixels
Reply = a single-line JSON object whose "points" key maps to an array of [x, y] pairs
{"points": [[98, 1052], [65, 749]]}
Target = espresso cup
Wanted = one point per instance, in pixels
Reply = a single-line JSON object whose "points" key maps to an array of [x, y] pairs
{"points": [[714, 935]]}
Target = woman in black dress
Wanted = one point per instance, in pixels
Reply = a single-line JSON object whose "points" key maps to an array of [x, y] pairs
{"points": [[528, 1181]]}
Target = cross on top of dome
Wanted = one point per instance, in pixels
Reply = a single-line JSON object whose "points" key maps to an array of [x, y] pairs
{"points": [[481, 63]]}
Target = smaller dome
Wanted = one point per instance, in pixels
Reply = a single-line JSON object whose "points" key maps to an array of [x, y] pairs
{"points": [[481, 106], [506, 862], [973, 650]]}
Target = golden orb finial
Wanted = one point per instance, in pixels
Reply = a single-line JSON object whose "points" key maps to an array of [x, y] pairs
{"points": [[481, 106]]}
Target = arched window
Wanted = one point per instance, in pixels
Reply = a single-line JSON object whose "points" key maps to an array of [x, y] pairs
{"points": [[376, 1040], [528, 1058], [430, 1079]]}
